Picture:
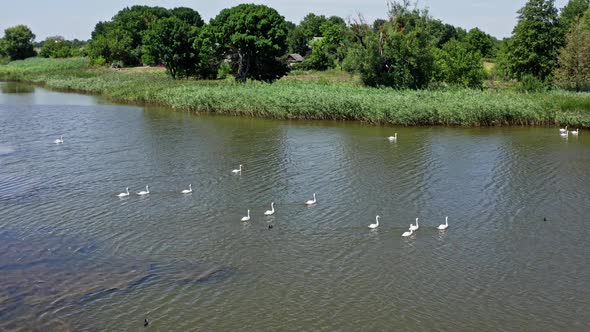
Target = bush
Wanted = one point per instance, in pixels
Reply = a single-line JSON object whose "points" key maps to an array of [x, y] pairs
{"points": [[530, 83]]}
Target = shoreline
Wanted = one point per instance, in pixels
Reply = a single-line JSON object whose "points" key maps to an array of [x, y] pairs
{"points": [[291, 99]]}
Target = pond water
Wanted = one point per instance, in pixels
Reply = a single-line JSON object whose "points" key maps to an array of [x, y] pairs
{"points": [[74, 256]]}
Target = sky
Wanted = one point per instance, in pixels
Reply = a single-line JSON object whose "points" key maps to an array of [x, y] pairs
{"points": [[77, 18]]}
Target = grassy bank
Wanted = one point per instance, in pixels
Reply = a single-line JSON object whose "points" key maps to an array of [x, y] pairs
{"points": [[308, 98]]}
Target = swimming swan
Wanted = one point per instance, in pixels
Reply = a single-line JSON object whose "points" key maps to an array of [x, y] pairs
{"points": [[237, 170], [189, 190], [392, 138], [444, 226], [376, 224], [563, 130], [271, 211], [408, 233], [414, 227], [246, 218], [144, 192], [59, 141], [311, 201], [125, 194], [575, 132]]}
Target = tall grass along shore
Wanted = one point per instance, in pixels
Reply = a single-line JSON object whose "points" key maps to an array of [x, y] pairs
{"points": [[309, 99]]}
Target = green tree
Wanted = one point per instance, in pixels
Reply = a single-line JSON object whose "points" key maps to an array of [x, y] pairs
{"points": [[171, 41], [298, 42], [480, 41], [320, 57], [574, 59], [188, 15], [400, 56], [378, 24], [458, 64], [252, 38], [120, 40], [310, 25], [573, 10], [18, 42], [56, 47], [535, 41]]}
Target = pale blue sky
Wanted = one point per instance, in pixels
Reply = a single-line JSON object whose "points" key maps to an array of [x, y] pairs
{"points": [[76, 18]]}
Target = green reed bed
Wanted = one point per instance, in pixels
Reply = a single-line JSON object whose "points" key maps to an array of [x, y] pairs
{"points": [[301, 99]]}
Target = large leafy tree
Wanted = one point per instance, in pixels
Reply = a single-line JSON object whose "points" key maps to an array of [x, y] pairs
{"points": [[171, 41], [297, 41], [535, 41], [573, 10], [399, 56], [311, 24], [252, 38], [574, 58], [56, 47], [188, 15], [480, 41], [18, 42], [121, 38], [458, 64]]}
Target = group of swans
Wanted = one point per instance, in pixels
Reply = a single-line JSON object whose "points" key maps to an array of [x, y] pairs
{"points": [[272, 208], [563, 132], [147, 191], [413, 227]]}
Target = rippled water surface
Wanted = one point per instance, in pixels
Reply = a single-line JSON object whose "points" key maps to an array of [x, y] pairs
{"points": [[73, 256]]}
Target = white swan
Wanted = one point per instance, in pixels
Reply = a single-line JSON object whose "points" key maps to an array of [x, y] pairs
{"points": [[238, 170], [564, 134], [444, 226], [408, 233], [376, 224], [125, 194], [563, 130], [392, 138], [60, 140], [246, 218], [311, 201], [271, 211], [144, 192], [189, 190], [575, 132], [414, 227]]}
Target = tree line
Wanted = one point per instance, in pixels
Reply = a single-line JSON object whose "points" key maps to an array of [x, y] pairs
{"points": [[408, 48]]}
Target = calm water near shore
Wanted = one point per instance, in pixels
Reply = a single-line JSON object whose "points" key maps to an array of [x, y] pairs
{"points": [[73, 256]]}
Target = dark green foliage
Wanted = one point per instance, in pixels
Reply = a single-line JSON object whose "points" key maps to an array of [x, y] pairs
{"points": [[188, 15], [170, 40], [398, 57], [311, 24], [535, 41], [17, 42], [320, 57], [480, 41], [574, 58], [120, 40], [442, 32], [252, 38], [297, 41], [378, 24], [458, 64], [57, 47], [573, 10]]}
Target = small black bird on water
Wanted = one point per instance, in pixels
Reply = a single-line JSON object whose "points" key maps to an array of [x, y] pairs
{"points": [[544, 219], [145, 322], [270, 226]]}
